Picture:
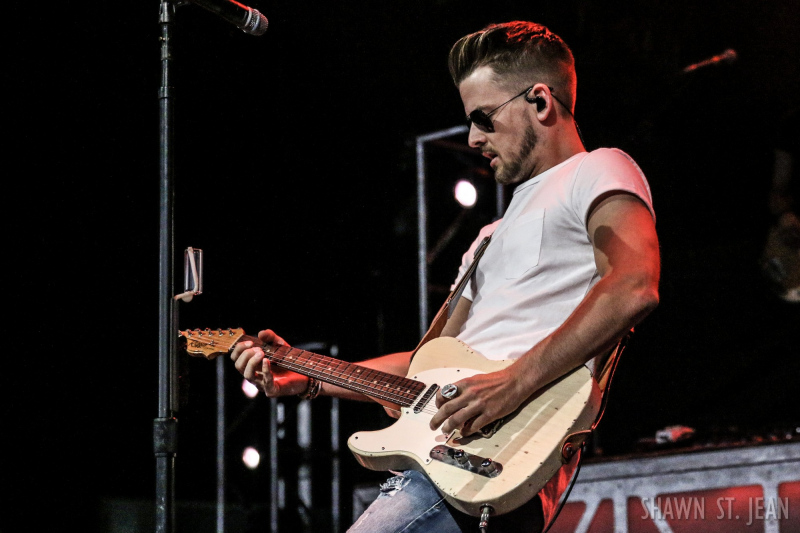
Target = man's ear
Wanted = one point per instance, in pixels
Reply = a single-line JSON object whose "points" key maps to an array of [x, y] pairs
{"points": [[538, 100], [539, 95]]}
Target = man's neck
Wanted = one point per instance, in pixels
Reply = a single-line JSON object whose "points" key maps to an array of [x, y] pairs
{"points": [[557, 148]]}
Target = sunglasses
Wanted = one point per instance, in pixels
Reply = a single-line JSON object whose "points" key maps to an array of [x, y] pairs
{"points": [[483, 121]]}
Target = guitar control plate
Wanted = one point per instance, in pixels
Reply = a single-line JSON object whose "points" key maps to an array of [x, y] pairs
{"points": [[483, 466]]}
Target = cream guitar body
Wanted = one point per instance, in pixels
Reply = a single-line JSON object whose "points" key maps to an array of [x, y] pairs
{"points": [[526, 446]]}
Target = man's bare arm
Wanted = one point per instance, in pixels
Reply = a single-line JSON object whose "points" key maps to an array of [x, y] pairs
{"points": [[627, 258], [626, 251]]}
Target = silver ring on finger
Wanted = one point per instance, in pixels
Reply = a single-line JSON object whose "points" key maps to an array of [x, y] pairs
{"points": [[449, 391]]}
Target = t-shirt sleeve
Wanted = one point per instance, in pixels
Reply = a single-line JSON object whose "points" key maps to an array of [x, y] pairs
{"points": [[605, 170]]}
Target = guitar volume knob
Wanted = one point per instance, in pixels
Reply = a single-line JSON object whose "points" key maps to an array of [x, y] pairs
{"points": [[460, 456]]}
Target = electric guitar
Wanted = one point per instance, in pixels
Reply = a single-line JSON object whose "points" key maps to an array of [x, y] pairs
{"points": [[502, 466]]}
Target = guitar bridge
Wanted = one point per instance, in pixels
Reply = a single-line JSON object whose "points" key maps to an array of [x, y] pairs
{"points": [[482, 466]]}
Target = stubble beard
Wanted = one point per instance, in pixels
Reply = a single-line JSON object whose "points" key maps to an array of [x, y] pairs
{"points": [[515, 170]]}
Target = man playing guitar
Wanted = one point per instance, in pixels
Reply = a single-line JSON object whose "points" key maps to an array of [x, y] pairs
{"points": [[570, 269]]}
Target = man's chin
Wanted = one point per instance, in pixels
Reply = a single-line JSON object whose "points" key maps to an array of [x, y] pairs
{"points": [[505, 178], [500, 175]]}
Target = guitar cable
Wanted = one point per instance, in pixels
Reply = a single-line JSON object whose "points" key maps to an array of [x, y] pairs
{"points": [[484, 523], [569, 488]]}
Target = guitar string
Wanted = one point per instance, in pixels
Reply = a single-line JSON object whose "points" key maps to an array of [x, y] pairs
{"points": [[364, 387], [396, 386], [363, 384], [370, 388], [364, 380]]}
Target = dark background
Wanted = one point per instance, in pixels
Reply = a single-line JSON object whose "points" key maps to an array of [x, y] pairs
{"points": [[295, 173]]}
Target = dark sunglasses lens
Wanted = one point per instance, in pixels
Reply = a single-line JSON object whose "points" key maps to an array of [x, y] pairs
{"points": [[481, 120]]}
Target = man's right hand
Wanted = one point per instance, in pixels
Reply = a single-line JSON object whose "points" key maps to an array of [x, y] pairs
{"points": [[251, 363]]}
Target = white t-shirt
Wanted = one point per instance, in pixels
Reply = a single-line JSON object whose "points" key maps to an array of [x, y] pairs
{"points": [[540, 262]]}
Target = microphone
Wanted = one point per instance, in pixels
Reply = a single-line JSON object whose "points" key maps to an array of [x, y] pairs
{"points": [[248, 20], [728, 56]]}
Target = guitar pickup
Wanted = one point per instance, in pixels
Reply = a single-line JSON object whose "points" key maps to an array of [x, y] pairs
{"points": [[482, 466], [420, 405]]}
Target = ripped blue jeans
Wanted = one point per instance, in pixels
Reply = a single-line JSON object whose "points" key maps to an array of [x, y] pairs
{"points": [[409, 503]]}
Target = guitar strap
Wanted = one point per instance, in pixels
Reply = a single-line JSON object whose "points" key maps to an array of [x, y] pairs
{"points": [[574, 444], [605, 370], [450, 303], [603, 374]]}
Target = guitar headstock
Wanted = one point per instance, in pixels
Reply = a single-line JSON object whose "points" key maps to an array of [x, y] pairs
{"points": [[210, 343]]}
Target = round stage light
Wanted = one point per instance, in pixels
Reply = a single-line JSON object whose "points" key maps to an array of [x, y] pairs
{"points": [[250, 390], [465, 193], [251, 458]]}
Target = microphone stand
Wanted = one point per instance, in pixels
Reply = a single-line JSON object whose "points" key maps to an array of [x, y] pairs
{"points": [[165, 427]]}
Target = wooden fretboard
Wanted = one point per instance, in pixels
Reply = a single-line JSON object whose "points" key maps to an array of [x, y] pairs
{"points": [[374, 383]]}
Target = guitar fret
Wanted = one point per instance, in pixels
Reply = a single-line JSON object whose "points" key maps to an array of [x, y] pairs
{"points": [[351, 373], [396, 389]]}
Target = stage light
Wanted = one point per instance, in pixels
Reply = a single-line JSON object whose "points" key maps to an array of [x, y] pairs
{"points": [[465, 193], [250, 390], [251, 458]]}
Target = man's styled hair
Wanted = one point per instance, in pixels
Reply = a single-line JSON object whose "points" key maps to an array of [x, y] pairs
{"points": [[520, 53]]}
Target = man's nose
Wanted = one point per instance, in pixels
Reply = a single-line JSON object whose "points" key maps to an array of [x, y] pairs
{"points": [[476, 137]]}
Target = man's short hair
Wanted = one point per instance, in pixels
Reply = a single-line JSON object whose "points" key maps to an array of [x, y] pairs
{"points": [[519, 53]]}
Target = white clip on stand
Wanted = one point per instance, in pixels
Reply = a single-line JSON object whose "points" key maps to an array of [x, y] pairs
{"points": [[192, 274]]}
